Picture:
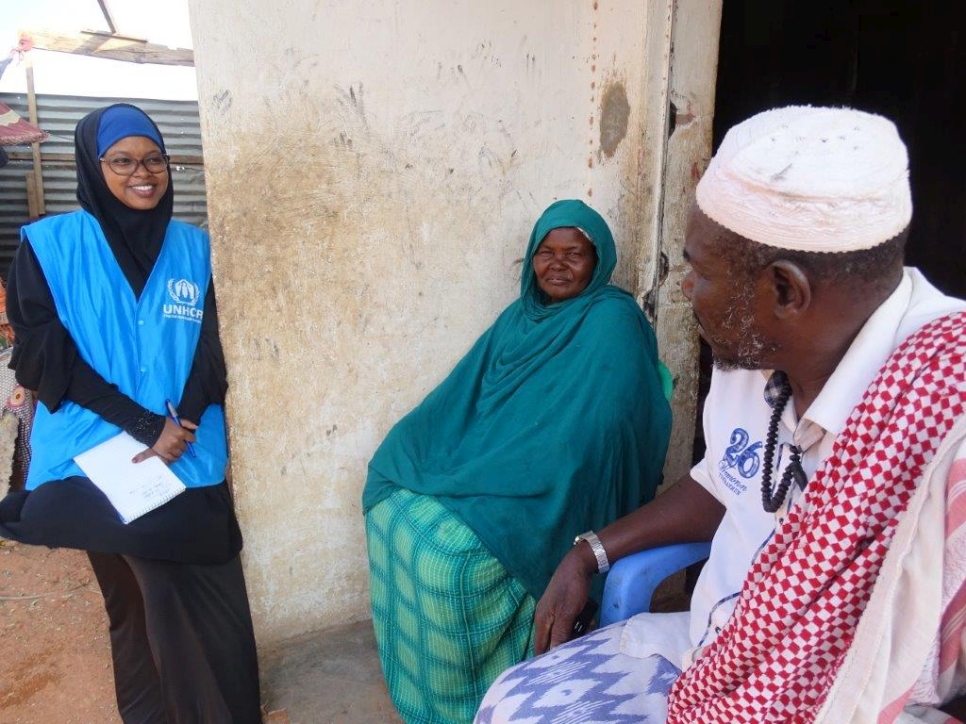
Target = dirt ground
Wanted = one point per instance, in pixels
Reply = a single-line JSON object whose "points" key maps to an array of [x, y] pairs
{"points": [[55, 657]]}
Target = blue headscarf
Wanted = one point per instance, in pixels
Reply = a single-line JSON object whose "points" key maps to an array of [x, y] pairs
{"points": [[123, 121], [554, 423]]}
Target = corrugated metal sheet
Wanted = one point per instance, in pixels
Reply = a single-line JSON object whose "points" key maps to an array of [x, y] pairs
{"points": [[58, 115]]}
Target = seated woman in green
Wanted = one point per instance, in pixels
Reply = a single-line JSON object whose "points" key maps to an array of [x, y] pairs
{"points": [[555, 423]]}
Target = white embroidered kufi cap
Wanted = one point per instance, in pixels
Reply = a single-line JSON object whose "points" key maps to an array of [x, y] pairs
{"points": [[810, 179]]}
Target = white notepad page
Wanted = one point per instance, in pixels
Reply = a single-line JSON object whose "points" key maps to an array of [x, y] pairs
{"points": [[133, 488]]}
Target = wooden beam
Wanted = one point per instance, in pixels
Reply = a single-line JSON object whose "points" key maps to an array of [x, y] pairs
{"points": [[106, 12], [114, 47], [33, 203], [37, 173]]}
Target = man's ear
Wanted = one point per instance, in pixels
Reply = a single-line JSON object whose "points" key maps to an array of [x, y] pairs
{"points": [[792, 289]]}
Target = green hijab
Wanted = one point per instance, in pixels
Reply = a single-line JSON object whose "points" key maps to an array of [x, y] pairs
{"points": [[554, 423]]}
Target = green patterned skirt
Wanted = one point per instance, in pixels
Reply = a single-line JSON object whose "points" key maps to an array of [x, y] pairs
{"points": [[449, 618]]}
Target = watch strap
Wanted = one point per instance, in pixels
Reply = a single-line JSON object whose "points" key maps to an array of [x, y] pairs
{"points": [[603, 565]]}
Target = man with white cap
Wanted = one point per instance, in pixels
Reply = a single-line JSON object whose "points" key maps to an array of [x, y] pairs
{"points": [[833, 487]]}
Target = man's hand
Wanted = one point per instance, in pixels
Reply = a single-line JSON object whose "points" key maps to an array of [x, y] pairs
{"points": [[172, 443], [686, 513], [564, 598]]}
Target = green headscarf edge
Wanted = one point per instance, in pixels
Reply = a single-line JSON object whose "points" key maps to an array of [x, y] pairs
{"points": [[560, 214], [577, 214]]}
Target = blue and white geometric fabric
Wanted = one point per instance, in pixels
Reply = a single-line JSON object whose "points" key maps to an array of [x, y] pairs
{"points": [[586, 681]]}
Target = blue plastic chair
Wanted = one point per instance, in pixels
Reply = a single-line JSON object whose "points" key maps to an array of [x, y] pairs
{"points": [[631, 581]]}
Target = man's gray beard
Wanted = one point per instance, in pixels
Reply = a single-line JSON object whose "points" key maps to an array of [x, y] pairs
{"points": [[748, 357], [752, 348]]}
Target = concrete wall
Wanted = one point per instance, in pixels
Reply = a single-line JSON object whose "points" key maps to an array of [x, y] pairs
{"points": [[374, 169]]}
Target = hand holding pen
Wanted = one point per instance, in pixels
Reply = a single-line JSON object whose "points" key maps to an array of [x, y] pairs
{"points": [[174, 439], [173, 413]]}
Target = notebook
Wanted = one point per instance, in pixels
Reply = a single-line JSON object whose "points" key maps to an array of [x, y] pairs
{"points": [[133, 488]]}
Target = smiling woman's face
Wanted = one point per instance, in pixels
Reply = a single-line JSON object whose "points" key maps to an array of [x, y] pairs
{"points": [[142, 190], [564, 263]]}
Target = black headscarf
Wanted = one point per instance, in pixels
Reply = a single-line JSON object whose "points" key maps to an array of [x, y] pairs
{"points": [[135, 236], [44, 356]]}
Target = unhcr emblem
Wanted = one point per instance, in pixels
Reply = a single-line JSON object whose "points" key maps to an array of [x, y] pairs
{"points": [[185, 296]]}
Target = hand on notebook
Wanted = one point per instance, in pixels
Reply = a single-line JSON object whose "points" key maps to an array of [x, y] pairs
{"points": [[172, 443]]}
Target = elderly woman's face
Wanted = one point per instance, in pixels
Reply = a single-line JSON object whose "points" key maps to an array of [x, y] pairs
{"points": [[564, 263], [142, 190]]}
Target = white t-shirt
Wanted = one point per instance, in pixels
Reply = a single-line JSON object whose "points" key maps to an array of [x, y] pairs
{"points": [[736, 417]]}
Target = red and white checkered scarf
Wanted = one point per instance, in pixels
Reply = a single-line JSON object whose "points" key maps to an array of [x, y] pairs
{"points": [[776, 659]]}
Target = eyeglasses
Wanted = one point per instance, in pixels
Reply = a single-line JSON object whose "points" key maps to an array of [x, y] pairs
{"points": [[127, 166]]}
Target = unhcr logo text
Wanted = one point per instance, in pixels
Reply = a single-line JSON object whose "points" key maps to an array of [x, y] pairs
{"points": [[184, 305]]}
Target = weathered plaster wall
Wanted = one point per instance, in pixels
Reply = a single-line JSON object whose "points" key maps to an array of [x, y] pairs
{"points": [[374, 168], [682, 55]]}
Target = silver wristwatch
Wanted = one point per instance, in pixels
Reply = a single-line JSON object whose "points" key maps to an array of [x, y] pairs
{"points": [[603, 565]]}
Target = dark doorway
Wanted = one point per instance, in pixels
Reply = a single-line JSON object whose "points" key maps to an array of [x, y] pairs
{"points": [[900, 58]]}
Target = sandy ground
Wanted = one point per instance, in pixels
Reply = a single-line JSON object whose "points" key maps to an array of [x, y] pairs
{"points": [[55, 658]]}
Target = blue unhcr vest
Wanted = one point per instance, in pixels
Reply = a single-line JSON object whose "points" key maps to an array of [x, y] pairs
{"points": [[144, 346]]}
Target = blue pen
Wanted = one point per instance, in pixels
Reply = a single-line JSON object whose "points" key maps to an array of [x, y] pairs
{"points": [[177, 421]]}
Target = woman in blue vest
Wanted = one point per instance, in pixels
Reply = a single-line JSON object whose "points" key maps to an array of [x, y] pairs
{"points": [[114, 314]]}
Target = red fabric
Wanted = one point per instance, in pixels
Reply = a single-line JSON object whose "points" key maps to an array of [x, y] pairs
{"points": [[795, 619], [15, 131]]}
